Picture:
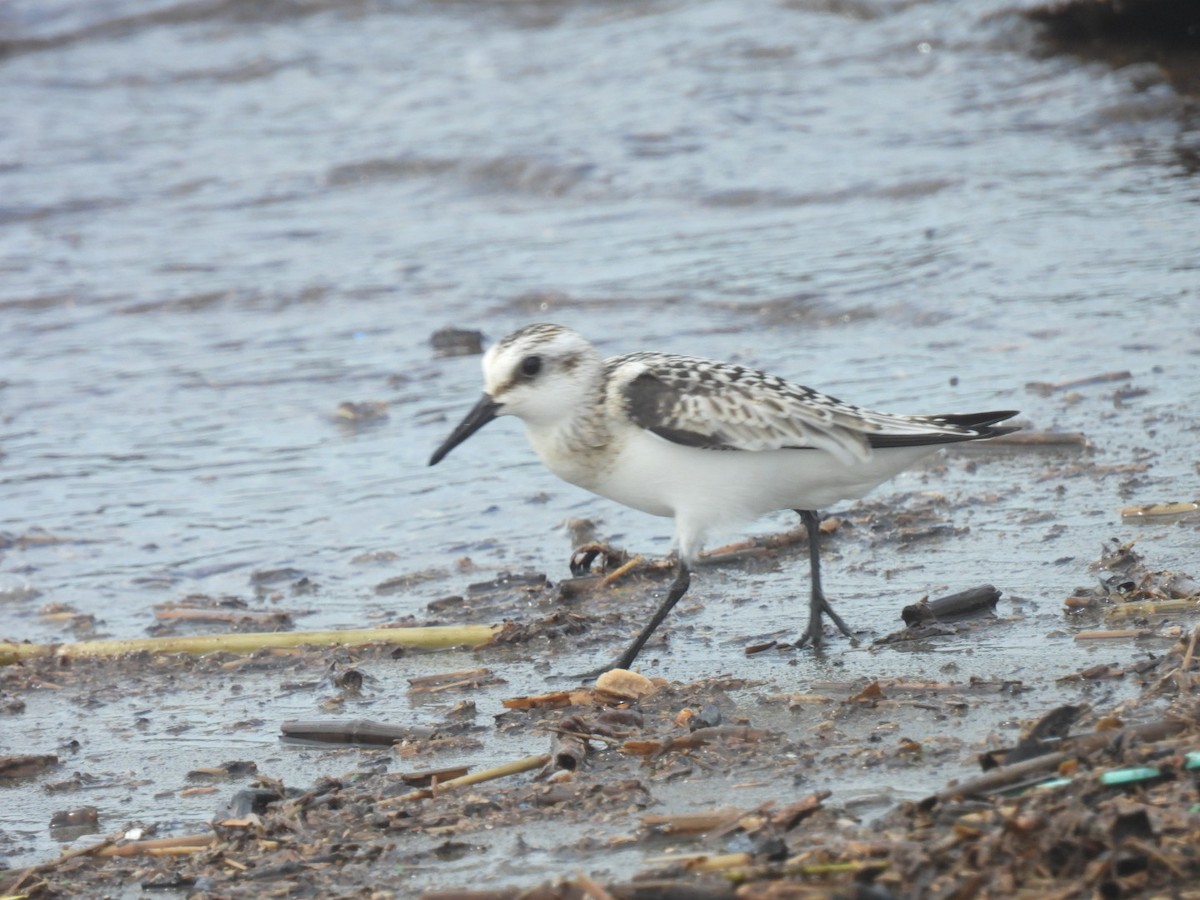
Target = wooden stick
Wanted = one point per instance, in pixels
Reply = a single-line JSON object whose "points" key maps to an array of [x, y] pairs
{"points": [[431, 637], [512, 768], [1113, 634], [997, 779]]}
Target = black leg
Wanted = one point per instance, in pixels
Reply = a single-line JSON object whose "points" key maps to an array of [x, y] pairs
{"points": [[817, 603], [683, 578]]}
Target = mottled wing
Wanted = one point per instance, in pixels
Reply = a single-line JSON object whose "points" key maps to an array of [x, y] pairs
{"points": [[719, 406]]}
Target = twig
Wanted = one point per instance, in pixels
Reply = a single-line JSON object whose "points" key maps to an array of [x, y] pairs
{"points": [[621, 571]]}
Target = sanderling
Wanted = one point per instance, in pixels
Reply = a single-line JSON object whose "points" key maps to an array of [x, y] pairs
{"points": [[711, 444]]}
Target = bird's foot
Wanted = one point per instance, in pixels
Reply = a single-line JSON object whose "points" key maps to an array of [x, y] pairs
{"points": [[583, 557], [815, 633]]}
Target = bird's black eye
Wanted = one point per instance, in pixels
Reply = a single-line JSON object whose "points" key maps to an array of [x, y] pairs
{"points": [[531, 365]]}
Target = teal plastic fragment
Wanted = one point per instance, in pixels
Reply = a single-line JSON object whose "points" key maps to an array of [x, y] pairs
{"points": [[1193, 760], [1129, 776]]}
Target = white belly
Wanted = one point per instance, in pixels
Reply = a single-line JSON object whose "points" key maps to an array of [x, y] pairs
{"points": [[720, 489]]}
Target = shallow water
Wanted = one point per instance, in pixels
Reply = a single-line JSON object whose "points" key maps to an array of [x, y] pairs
{"points": [[218, 221]]}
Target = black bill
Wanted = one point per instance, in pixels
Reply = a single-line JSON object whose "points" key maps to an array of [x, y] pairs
{"points": [[481, 413]]}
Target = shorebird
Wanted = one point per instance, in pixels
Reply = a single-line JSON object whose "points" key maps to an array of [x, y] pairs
{"points": [[710, 444]]}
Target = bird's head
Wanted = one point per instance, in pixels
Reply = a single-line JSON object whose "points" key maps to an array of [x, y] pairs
{"points": [[541, 374]]}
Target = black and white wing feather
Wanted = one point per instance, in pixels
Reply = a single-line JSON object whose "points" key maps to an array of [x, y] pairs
{"points": [[719, 406]]}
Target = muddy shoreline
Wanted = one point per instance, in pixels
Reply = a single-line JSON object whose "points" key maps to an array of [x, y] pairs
{"points": [[720, 787]]}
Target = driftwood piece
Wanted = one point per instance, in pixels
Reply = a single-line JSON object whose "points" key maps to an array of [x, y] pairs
{"points": [[351, 731], [964, 603], [25, 764]]}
